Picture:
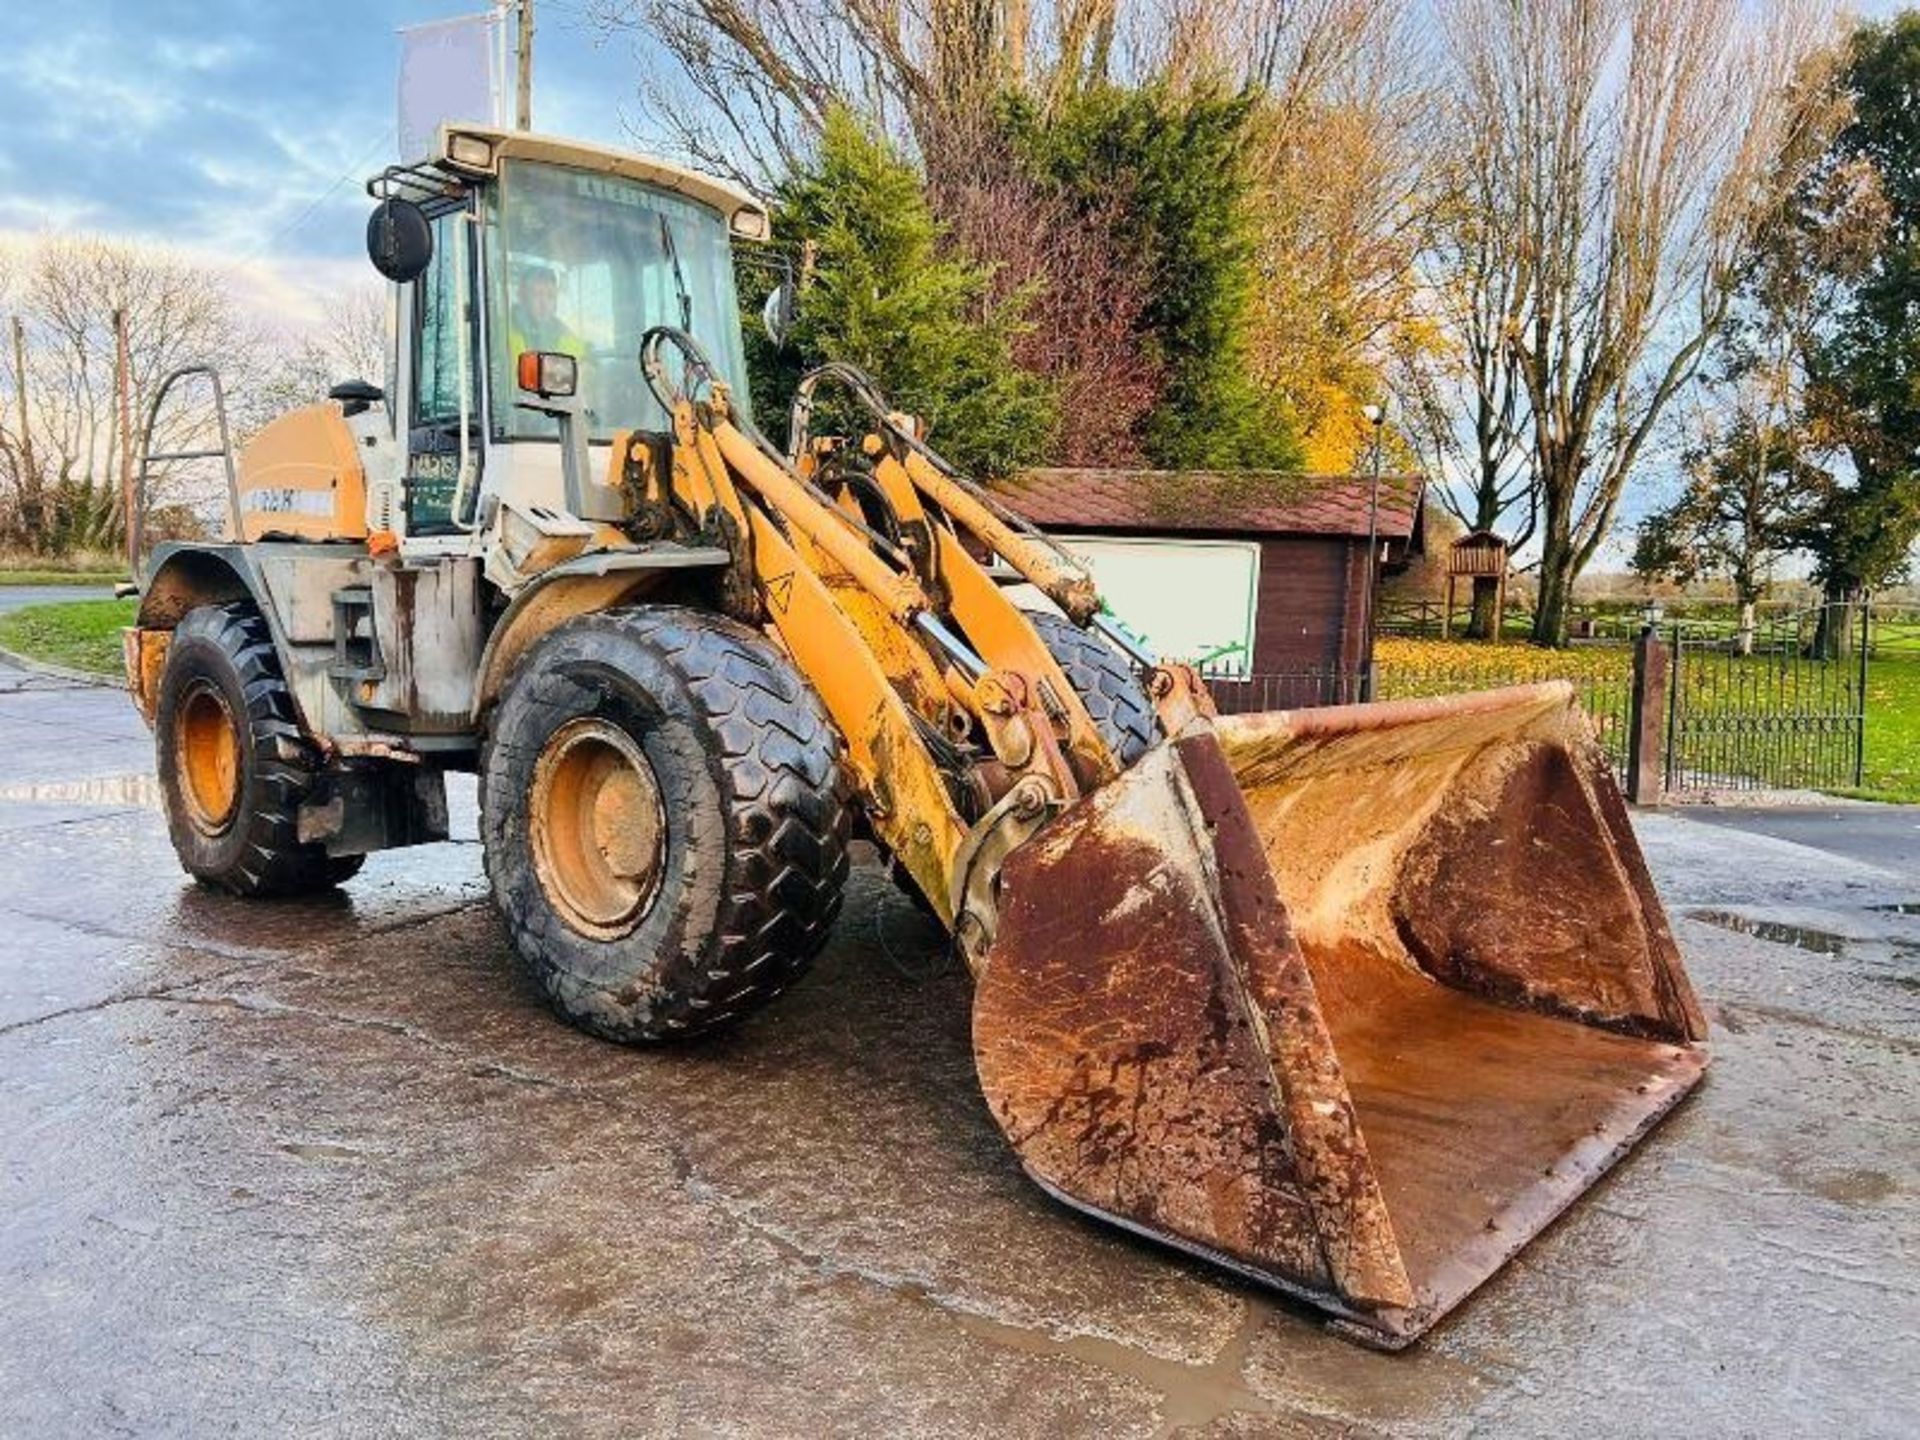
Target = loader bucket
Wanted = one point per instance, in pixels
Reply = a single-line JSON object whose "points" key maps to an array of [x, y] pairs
{"points": [[1352, 1000]]}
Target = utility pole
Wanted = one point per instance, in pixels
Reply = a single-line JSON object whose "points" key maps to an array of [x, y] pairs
{"points": [[31, 509], [123, 399], [20, 391], [523, 66]]}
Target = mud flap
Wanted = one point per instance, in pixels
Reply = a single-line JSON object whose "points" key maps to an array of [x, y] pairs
{"points": [[1354, 1001]]}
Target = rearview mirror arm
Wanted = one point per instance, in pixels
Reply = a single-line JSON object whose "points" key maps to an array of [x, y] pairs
{"points": [[575, 460]]}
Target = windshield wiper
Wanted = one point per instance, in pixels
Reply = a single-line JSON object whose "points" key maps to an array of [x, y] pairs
{"points": [[679, 276]]}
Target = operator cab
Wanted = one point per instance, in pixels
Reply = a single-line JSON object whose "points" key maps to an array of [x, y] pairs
{"points": [[506, 245]]}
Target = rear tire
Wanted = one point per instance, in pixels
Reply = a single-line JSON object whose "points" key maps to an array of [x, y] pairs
{"points": [[665, 821], [1105, 683], [233, 763]]}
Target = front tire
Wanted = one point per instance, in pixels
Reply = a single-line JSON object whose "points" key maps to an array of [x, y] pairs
{"points": [[1115, 699], [233, 764], [665, 821]]}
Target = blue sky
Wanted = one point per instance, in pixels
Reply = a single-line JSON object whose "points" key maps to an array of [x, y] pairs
{"points": [[243, 131], [240, 131]]}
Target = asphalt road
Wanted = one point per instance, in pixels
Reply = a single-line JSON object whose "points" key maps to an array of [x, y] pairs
{"points": [[1887, 835], [329, 1166], [16, 597]]}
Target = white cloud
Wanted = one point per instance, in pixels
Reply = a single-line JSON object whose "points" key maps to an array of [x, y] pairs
{"points": [[203, 56], [42, 214], [289, 296], [74, 78]]}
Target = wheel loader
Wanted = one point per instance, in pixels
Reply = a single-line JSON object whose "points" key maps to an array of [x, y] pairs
{"points": [[1352, 1001]]}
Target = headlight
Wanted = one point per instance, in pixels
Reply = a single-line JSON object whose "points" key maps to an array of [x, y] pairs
{"points": [[749, 224], [548, 372], [470, 151]]}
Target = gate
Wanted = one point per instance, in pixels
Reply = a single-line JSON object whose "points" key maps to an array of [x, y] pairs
{"points": [[1784, 711]]}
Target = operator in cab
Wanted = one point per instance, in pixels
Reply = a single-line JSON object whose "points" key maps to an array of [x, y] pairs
{"points": [[536, 322]]}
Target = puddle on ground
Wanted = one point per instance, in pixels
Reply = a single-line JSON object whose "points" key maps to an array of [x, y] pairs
{"points": [[142, 790], [1820, 942], [1856, 1187]]}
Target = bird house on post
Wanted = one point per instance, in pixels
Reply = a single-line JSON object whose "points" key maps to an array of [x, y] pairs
{"points": [[1477, 555]]}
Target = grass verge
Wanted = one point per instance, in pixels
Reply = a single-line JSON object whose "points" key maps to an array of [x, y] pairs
{"points": [[76, 567], [1893, 731], [80, 634]]}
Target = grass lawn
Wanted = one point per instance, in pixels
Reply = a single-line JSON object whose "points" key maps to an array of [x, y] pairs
{"points": [[1893, 730], [80, 634], [1603, 673], [1422, 667]]}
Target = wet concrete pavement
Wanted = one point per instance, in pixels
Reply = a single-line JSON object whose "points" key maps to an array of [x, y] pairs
{"points": [[330, 1166]]}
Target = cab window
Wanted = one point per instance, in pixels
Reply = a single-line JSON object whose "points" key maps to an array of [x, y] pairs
{"points": [[586, 264], [439, 331]]}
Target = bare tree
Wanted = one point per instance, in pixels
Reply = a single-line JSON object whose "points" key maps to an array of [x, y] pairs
{"points": [[1331, 151], [753, 80], [1080, 301], [1337, 155], [61, 470], [1760, 448], [1463, 402], [1633, 149], [351, 344]]}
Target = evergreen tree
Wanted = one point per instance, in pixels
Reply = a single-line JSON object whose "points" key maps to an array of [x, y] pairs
{"points": [[880, 295], [1865, 369], [1176, 163]]}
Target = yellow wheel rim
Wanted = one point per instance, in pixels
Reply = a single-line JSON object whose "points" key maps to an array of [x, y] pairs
{"points": [[598, 827], [206, 743]]}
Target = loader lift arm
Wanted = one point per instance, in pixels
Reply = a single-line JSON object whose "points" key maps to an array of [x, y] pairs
{"points": [[889, 662]]}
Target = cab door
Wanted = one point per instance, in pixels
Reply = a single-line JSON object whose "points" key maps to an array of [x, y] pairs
{"points": [[444, 409]]}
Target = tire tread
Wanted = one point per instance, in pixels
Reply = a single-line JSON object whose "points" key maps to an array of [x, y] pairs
{"points": [[285, 764], [777, 760], [1106, 684]]}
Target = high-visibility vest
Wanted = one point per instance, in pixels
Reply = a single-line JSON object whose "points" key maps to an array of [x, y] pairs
{"points": [[560, 339]]}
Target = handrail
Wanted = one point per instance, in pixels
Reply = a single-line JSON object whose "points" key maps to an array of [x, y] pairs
{"points": [[137, 522]]}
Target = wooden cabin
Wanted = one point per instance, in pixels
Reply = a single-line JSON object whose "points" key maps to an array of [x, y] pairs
{"points": [[1246, 573]]}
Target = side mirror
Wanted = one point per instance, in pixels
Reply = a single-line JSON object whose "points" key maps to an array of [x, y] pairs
{"points": [[777, 314], [399, 240]]}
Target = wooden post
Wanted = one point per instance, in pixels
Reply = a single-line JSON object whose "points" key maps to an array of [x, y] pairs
{"points": [[1647, 722], [20, 390], [123, 402], [32, 502], [523, 68]]}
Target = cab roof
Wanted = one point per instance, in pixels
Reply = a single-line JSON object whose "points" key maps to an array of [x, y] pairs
{"points": [[477, 150]]}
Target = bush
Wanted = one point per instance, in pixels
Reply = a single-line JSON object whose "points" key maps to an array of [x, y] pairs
{"points": [[1083, 299]]}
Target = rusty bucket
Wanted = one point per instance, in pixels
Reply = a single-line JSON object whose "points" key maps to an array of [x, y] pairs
{"points": [[1352, 1000]]}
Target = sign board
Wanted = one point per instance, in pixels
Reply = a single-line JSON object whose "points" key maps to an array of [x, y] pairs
{"points": [[1193, 600], [450, 70]]}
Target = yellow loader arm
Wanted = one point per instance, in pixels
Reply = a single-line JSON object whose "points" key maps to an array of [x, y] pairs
{"points": [[1353, 1001], [900, 671]]}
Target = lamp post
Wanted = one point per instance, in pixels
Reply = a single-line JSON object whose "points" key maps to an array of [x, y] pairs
{"points": [[1376, 417]]}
